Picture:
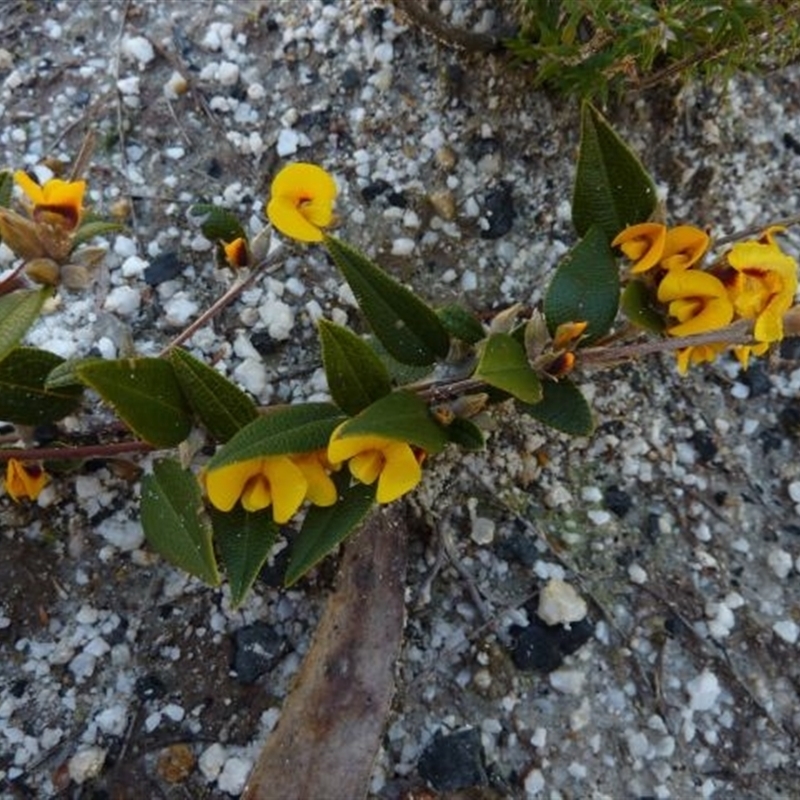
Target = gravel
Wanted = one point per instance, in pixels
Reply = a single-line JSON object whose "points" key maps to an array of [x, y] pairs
{"points": [[665, 548]]}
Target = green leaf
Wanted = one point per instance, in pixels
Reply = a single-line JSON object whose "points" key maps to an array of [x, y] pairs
{"points": [[461, 324], [18, 311], [408, 328], [466, 434], [585, 287], [145, 394], [504, 365], [289, 429], [216, 223], [6, 187], [25, 398], [562, 407], [222, 408], [612, 188], [638, 305], [243, 540], [324, 528], [356, 376], [97, 227], [174, 523], [402, 416]]}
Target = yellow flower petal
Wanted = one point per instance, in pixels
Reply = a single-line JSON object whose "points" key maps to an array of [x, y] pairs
{"points": [[257, 493], [366, 467], [698, 300], [287, 485], [684, 246], [321, 489], [301, 201], [236, 252], [24, 480], [57, 201], [401, 472], [642, 244], [225, 485]]}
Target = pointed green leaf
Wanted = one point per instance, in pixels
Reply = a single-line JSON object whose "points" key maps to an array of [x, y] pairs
{"points": [[144, 393], [6, 187], [504, 365], [174, 523], [639, 305], [222, 408], [216, 223], [402, 416], [18, 311], [289, 429], [243, 540], [324, 528], [408, 328], [562, 407], [356, 376], [612, 188], [24, 398], [63, 374], [466, 434], [585, 287], [461, 324], [94, 227]]}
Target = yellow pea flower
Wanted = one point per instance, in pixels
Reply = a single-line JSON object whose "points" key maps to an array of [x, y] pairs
{"points": [[258, 483], [761, 286], [301, 201], [684, 246], [391, 462], [315, 468], [699, 302], [24, 480], [57, 202], [643, 244]]}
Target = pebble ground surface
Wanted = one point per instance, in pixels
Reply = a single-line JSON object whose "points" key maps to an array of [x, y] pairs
{"points": [[668, 542]]}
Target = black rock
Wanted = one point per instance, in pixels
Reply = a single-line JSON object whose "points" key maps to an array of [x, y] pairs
{"points": [[520, 548], [351, 79], [150, 687], [791, 143], [256, 650], [479, 146], [164, 267], [757, 379], [617, 501], [771, 439], [703, 442], [498, 208], [789, 418], [375, 189], [454, 761], [540, 647]]}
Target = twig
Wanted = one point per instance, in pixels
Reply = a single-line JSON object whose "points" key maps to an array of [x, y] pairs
{"points": [[79, 452]]}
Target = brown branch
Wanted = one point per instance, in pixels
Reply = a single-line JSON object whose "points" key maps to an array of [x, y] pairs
{"points": [[79, 452]]}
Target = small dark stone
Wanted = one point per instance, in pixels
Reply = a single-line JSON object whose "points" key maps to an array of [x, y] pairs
{"points": [[264, 343], [479, 146], [375, 189], [164, 267], [498, 208], [720, 497], [789, 418], [757, 379], [397, 199], [652, 528], [771, 439], [272, 574], [675, 626], [150, 687], [376, 18], [571, 639], [704, 445], [117, 636], [792, 529], [256, 650], [791, 143], [213, 167], [454, 761], [536, 648], [351, 79], [617, 501], [790, 348], [17, 689], [520, 548]]}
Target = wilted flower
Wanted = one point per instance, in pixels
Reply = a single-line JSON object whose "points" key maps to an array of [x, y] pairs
{"points": [[391, 462], [24, 479], [301, 201], [237, 253]]}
